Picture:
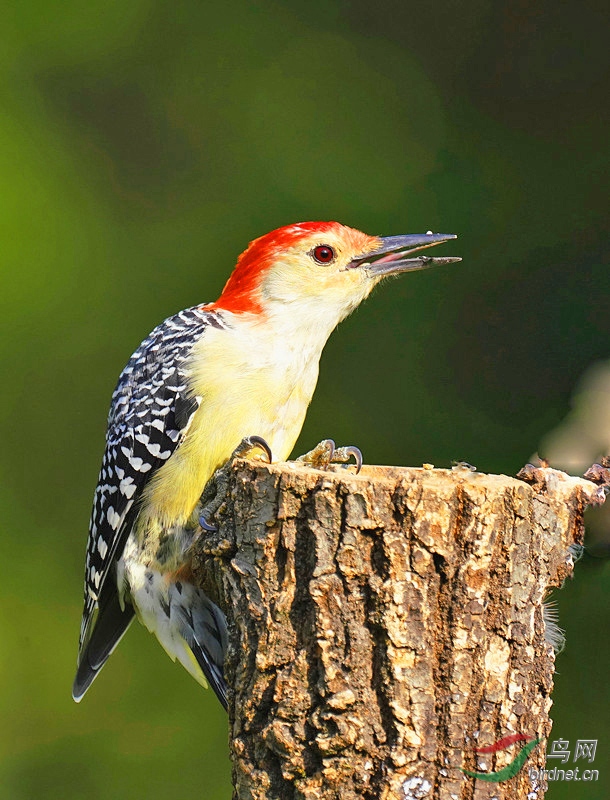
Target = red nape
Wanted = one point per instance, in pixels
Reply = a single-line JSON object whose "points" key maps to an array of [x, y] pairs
{"points": [[240, 293]]}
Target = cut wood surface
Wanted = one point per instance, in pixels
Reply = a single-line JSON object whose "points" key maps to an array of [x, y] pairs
{"points": [[384, 625]]}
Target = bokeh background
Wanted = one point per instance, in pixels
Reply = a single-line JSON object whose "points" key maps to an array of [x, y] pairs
{"points": [[143, 143]]}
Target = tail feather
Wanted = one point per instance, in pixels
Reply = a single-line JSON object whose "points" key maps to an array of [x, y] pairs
{"points": [[189, 626], [212, 673], [204, 627], [108, 630]]}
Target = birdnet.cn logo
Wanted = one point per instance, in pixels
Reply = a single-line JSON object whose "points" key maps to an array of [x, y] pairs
{"points": [[584, 749]]}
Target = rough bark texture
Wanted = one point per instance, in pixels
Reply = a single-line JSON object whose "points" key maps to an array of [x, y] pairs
{"points": [[385, 624]]}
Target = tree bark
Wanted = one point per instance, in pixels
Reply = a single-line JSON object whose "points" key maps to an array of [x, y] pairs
{"points": [[384, 625]]}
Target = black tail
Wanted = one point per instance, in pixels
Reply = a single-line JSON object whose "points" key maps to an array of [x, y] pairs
{"points": [[111, 623], [212, 672]]}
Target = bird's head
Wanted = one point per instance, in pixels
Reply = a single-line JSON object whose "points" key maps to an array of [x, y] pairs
{"points": [[320, 269]]}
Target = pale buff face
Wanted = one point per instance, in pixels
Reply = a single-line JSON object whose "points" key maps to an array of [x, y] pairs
{"points": [[314, 273]]}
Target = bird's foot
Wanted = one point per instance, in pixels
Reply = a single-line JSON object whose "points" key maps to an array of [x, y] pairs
{"points": [[216, 488], [248, 445], [326, 453]]}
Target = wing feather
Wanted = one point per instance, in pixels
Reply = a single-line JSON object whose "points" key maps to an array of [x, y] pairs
{"points": [[150, 412]]}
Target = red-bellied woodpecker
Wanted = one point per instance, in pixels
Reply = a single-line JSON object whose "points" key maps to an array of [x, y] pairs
{"points": [[200, 383]]}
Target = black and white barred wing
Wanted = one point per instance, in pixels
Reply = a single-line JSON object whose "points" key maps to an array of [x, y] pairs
{"points": [[150, 412]]}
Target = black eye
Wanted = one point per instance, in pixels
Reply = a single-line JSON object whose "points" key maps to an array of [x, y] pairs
{"points": [[323, 254]]}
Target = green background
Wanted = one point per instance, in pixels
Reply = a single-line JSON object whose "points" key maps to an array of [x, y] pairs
{"points": [[142, 145]]}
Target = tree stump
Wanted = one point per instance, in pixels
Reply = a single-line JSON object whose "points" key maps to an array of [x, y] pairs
{"points": [[384, 625]]}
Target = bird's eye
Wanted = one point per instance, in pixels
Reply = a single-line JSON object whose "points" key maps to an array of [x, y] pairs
{"points": [[323, 254]]}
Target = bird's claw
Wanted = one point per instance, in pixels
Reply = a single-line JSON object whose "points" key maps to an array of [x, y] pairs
{"points": [[250, 443], [207, 526], [216, 488], [342, 455], [320, 456], [326, 453]]}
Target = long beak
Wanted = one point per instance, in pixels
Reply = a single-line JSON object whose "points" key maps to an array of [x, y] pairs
{"points": [[391, 257]]}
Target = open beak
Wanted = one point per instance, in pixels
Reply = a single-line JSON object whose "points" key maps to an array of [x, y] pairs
{"points": [[392, 257]]}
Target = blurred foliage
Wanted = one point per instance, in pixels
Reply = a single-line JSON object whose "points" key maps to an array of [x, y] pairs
{"points": [[143, 143]]}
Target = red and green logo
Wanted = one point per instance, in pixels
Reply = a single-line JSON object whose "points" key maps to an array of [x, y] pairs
{"points": [[515, 766]]}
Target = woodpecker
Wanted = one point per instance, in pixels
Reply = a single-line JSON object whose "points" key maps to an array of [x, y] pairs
{"points": [[203, 381]]}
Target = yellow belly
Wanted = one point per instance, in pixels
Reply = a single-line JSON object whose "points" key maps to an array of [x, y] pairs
{"points": [[240, 398]]}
